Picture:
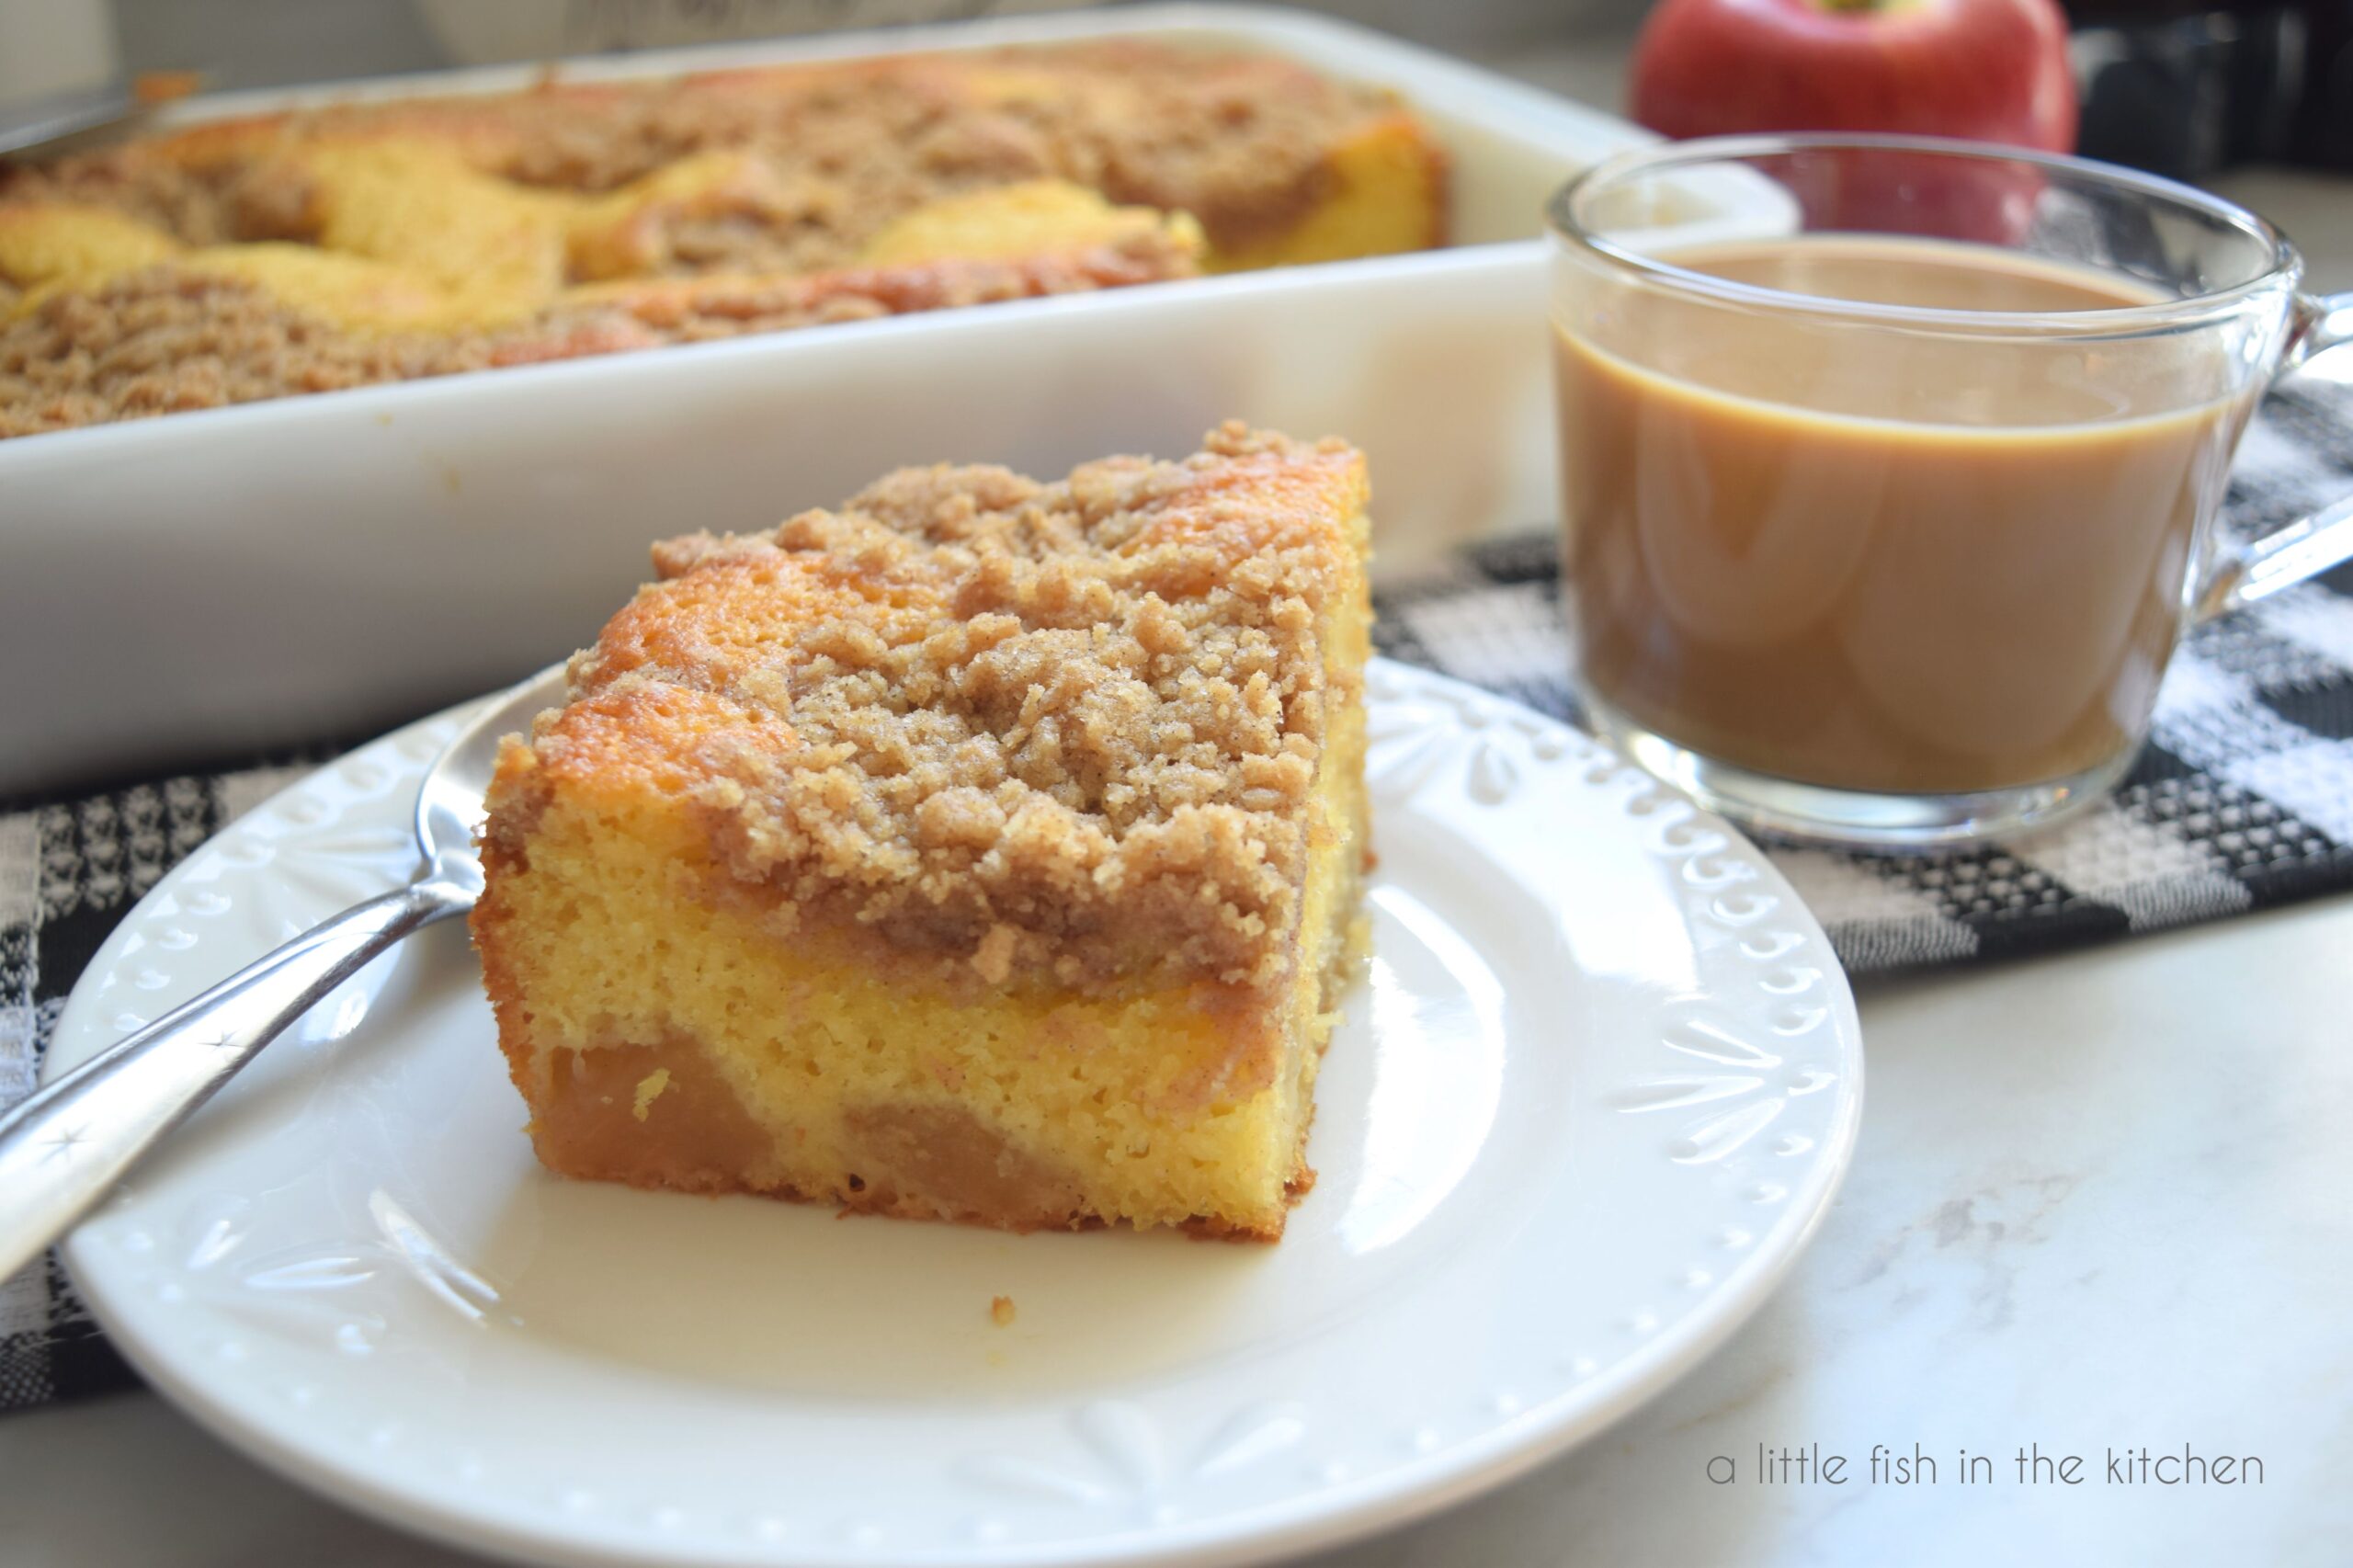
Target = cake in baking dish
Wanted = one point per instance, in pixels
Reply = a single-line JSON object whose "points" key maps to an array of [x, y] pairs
{"points": [[378, 240], [986, 849]]}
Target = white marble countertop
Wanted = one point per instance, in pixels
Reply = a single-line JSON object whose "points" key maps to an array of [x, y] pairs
{"points": [[2100, 1203]]}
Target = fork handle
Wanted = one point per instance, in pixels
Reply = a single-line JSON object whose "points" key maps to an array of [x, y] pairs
{"points": [[64, 1147]]}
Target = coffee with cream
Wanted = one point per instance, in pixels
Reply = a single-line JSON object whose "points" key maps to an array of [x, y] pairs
{"points": [[1917, 562]]}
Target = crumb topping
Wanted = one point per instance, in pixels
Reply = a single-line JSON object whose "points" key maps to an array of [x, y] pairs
{"points": [[165, 341], [833, 151], [1064, 729], [361, 242]]}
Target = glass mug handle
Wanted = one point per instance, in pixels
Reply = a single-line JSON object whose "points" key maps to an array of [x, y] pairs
{"points": [[2313, 542]]}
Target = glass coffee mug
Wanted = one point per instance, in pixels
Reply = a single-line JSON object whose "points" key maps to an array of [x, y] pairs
{"points": [[1890, 468]]}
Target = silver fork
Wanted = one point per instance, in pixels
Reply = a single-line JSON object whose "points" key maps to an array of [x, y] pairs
{"points": [[66, 1146]]}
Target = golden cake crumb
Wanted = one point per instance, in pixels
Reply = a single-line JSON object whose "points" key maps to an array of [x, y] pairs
{"points": [[649, 1089], [1001, 1311]]}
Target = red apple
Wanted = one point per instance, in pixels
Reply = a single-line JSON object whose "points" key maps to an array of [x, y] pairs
{"points": [[1986, 70]]}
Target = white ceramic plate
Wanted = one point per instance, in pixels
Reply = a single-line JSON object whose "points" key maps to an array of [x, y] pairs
{"points": [[1590, 1100]]}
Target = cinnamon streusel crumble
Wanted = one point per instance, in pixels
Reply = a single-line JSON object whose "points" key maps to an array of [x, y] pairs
{"points": [[981, 848], [377, 241]]}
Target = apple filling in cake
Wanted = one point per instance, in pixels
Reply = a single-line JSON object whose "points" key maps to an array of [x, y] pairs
{"points": [[986, 849]]}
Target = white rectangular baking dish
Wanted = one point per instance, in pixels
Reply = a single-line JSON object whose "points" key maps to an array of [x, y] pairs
{"points": [[185, 588]]}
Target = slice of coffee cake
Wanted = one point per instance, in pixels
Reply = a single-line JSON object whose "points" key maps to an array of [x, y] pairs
{"points": [[985, 850]]}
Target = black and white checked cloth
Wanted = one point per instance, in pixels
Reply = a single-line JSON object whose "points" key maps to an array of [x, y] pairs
{"points": [[2244, 799]]}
